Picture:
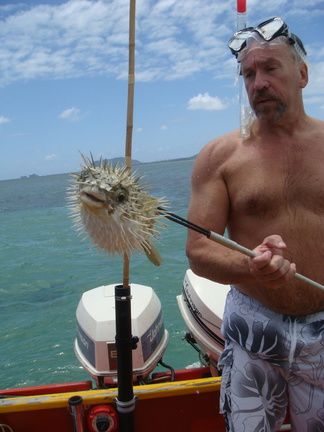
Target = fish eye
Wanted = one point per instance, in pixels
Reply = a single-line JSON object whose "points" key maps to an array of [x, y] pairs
{"points": [[121, 196]]}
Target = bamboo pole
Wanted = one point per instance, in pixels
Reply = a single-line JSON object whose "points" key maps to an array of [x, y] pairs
{"points": [[130, 110], [131, 84]]}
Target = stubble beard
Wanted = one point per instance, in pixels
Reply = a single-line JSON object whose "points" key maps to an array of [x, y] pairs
{"points": [[269, 114]]}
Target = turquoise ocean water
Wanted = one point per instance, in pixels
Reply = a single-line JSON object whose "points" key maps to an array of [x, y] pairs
{"points": [[45, 267]]}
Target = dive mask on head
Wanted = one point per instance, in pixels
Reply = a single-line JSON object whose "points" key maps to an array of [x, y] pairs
{"points": [[267, 31]]}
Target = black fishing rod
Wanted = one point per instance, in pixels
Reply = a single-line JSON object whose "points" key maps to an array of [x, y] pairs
{"points": [[224, 241]]}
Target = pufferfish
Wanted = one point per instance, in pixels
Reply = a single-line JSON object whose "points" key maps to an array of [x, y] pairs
{"points": [[114, 209]]}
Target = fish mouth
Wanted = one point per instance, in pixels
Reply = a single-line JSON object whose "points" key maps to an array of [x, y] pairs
{"points": [[92, 198]]}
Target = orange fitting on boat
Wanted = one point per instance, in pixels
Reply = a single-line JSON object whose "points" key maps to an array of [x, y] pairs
{"points": [[102, 418]]}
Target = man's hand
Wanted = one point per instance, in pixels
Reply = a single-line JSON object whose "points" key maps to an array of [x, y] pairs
{"points": [[270, 267]]}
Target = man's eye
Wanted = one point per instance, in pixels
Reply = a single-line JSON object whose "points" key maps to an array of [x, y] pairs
{"points": [[248, 74]]}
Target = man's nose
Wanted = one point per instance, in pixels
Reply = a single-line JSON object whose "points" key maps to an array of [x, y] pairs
{"points": [[260, 80]]}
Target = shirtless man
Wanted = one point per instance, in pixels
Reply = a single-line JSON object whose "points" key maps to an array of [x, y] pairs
{"points": [[268, 191]]}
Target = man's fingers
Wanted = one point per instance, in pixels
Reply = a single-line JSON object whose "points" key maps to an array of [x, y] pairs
{"points": [[271, 270], [274, 241], [261, 261]]}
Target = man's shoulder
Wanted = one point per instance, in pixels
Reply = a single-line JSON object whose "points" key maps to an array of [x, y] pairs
{"points": [[215, 155], [222, 145], [314, 132], [318, 123], [231, 137], [315, 125]]}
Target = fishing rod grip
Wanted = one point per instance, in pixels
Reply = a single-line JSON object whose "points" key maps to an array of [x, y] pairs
{"points": [[239, 248], [231, 244]]}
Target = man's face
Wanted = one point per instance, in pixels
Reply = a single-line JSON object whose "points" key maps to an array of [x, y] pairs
{"points": [[271, 80]]}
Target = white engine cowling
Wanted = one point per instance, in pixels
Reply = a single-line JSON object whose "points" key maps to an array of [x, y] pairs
{"points": [[95, 345], [201, 304]]}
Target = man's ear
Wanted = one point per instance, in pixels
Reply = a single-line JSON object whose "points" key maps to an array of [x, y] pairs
{"points": [[303, 69]]}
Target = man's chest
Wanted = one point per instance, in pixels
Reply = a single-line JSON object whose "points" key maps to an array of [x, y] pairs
{"points": [[268, 187]]}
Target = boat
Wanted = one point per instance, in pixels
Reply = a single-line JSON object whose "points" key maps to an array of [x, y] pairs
{"points": [[174, 400]]}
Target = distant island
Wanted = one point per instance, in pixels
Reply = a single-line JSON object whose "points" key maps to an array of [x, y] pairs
{"points": [[121, 161], [30, 176]]}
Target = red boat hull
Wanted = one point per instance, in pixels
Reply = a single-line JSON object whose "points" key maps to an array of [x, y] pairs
{"points": [[190, 405]]}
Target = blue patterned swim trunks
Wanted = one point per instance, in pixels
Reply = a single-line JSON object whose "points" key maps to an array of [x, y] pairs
{"points": [[270, 359]]}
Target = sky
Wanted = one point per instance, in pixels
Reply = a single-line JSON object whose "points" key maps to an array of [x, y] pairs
{"points": [[64, 72]]}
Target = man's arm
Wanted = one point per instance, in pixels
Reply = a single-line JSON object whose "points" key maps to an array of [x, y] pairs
{"points": [[209, 207]]}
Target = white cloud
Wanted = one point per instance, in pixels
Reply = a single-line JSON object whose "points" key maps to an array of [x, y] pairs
{"points": [[174, 38], [50, 157], [19, 134], [164, 127], [205, 102], [4, 120], [89, 38], [70, 114]]}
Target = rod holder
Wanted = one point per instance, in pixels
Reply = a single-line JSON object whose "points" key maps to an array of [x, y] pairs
{"points": [[77, 412]]}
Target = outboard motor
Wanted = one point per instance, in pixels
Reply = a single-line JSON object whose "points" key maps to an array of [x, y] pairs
{"points": [[95, 345], [201, 304]]}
